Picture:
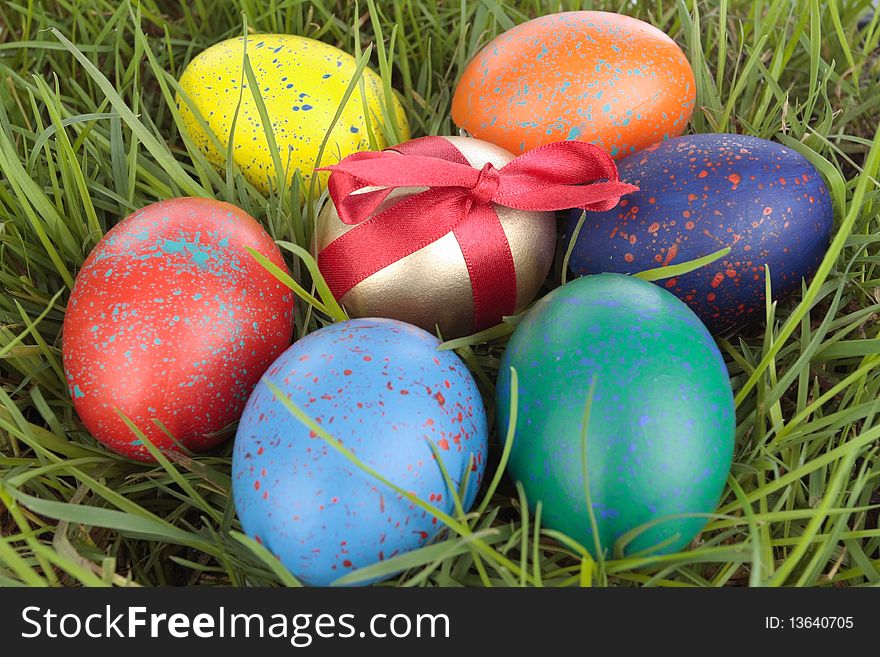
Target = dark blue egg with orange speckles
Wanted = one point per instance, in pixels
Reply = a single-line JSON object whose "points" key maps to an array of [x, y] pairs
{"points": [[382, 389], [701, 193]]}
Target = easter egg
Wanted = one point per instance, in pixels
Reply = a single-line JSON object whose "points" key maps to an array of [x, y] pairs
{"points": [[432, 287], [623, 399], [302, 83], [599, 77], [383, 390], [701, 193], [171, 322]]}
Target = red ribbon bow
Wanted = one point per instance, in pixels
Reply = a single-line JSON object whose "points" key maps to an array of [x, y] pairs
{"points": [[556, 176]]}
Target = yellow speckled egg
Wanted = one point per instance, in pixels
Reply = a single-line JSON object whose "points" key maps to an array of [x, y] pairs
{"points": [[302, 82]]}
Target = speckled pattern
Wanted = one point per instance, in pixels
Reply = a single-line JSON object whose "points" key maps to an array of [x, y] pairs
{"points": [[302, 82], [380, 387], [171, 319], [599, 77], [700, 193], [661, 426]]}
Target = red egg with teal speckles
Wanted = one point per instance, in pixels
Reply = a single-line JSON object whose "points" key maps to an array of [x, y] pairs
{"points": [[599, 77], [171, 323], [699, 194]]}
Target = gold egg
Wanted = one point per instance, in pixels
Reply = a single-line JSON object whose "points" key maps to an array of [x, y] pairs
{"points": [[431, 288]]}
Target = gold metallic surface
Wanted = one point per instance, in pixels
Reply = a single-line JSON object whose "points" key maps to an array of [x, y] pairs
{"points": [[431, 287]]}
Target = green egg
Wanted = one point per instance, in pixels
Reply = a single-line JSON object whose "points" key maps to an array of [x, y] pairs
{"points": [[659, 435]]}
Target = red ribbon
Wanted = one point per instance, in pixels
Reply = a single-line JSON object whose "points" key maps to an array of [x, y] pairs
{"points": [[556, 176]]}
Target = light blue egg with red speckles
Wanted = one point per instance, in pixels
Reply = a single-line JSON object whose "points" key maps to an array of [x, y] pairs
{"points": [[701, 193], [382, 388]]}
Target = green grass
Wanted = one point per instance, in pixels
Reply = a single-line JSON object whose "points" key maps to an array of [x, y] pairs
{"points": [[89, 133]]}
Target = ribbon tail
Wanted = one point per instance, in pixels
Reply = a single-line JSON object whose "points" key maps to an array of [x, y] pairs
{"points": [[615, 191]]}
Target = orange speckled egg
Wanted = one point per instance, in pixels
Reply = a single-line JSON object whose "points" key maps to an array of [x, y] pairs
{"points": [[599, 77]]}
